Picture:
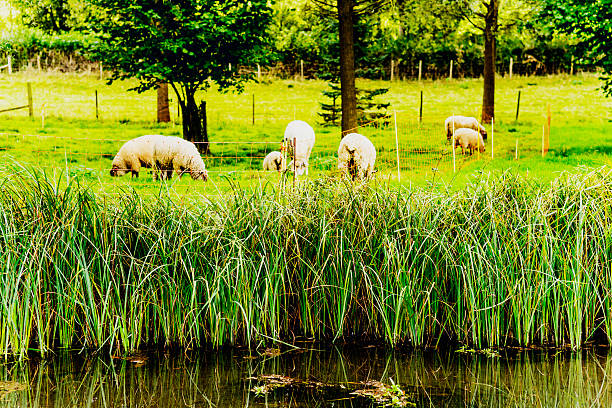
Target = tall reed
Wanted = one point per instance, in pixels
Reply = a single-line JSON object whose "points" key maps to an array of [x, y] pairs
{"points": [[504, 261]]}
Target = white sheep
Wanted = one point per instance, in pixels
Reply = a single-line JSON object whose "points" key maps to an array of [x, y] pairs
{"points": [[459, 122], [304, 137], [356, 156], [134, 154], [274, 161], [176, 154], [469, 139]]}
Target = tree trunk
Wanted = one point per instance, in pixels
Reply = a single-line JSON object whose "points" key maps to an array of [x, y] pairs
{"points": [[204, 119], [347, 66], [163, 108], [488, 95], [192, 122]]}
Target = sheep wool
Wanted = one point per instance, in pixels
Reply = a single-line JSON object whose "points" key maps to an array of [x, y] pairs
{"points": [[303, 135], [459, 122], [177, 154], [274, 161], [469, 140], [134, 154], [356, 156]]}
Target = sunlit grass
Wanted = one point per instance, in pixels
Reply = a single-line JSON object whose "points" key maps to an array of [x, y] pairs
{"points": [[72, 138], [505, 261]]}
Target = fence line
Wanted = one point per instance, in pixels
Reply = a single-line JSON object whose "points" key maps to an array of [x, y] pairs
{"points": [[411, 148]]}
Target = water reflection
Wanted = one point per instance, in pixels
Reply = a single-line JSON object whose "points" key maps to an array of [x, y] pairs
{"points": [[224, 379]]}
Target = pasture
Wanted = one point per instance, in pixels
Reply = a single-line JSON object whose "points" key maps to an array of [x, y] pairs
{"points": [[74, 142]]}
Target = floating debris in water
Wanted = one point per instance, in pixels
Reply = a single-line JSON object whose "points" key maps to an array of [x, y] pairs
{"points": [[7, 387], [377, 392], [486, 352], [384, 394]]}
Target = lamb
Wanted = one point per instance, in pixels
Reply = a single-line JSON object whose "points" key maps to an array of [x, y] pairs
{"points": [[461, 122], [176, 154], [274, 161], [304, 137], [356, 156], [469, 139], [134, 154]]}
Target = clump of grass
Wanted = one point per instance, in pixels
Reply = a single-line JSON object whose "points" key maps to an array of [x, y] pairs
{"points": [[502, 262]]}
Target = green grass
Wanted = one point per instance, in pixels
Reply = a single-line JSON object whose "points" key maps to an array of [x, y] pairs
{"points": [[505, 261], [75, 142]]}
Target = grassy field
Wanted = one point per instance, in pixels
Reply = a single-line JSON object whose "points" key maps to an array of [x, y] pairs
{"points": [[73, 141]]}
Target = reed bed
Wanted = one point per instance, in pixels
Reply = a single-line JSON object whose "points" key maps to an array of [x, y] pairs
{"points": [[502, 262]]}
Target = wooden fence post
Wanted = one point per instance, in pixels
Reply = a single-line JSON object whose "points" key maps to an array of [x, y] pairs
{"points": [[548, 120], [421, 108], [450, 75], [516, 150], [572, 67], [511, 63], [518, 105], [254, 109], [10, 64], [492, 138], [302, 70], [97, 115], [30, 100], [258, 72], [420, 69], [399, 175], [453, 147], [391, 77]]}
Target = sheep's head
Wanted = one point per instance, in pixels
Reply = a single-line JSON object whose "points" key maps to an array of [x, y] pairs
{"points": [[118, 170], [300, 167], [483, 132], [278, 162], [199, 175]]}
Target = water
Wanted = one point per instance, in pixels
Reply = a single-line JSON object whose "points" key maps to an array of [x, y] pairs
{"points": [[225, 379]]}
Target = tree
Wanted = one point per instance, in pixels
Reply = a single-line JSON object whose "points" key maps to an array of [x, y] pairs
{"points": [[188, 44], [591, 22], [53, 16], [347, 11], [485, 15]]}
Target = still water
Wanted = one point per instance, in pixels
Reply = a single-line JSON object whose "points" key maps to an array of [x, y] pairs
{"points": [[325, 377]]}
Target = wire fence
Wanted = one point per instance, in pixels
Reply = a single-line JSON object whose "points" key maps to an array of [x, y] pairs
{"points": [[405, 150]]}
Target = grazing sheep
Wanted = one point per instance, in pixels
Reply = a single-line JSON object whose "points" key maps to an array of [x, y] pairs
{"points": [[134, 154], [469, 139], [274, 161], [177, 154], [356, 156], [461, 122], [304, 137]]}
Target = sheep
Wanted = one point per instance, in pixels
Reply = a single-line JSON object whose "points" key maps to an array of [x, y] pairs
{"points": [[356, 156], [274, 161], [460, 122], [304, 137], [469, 139], [176, 154], [134, 154]]}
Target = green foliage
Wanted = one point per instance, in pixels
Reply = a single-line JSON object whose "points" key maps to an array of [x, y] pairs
{"points": [[331, 112], [189, 42], [28, 41], [502, 262], [368, 109], [590, 21]]}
